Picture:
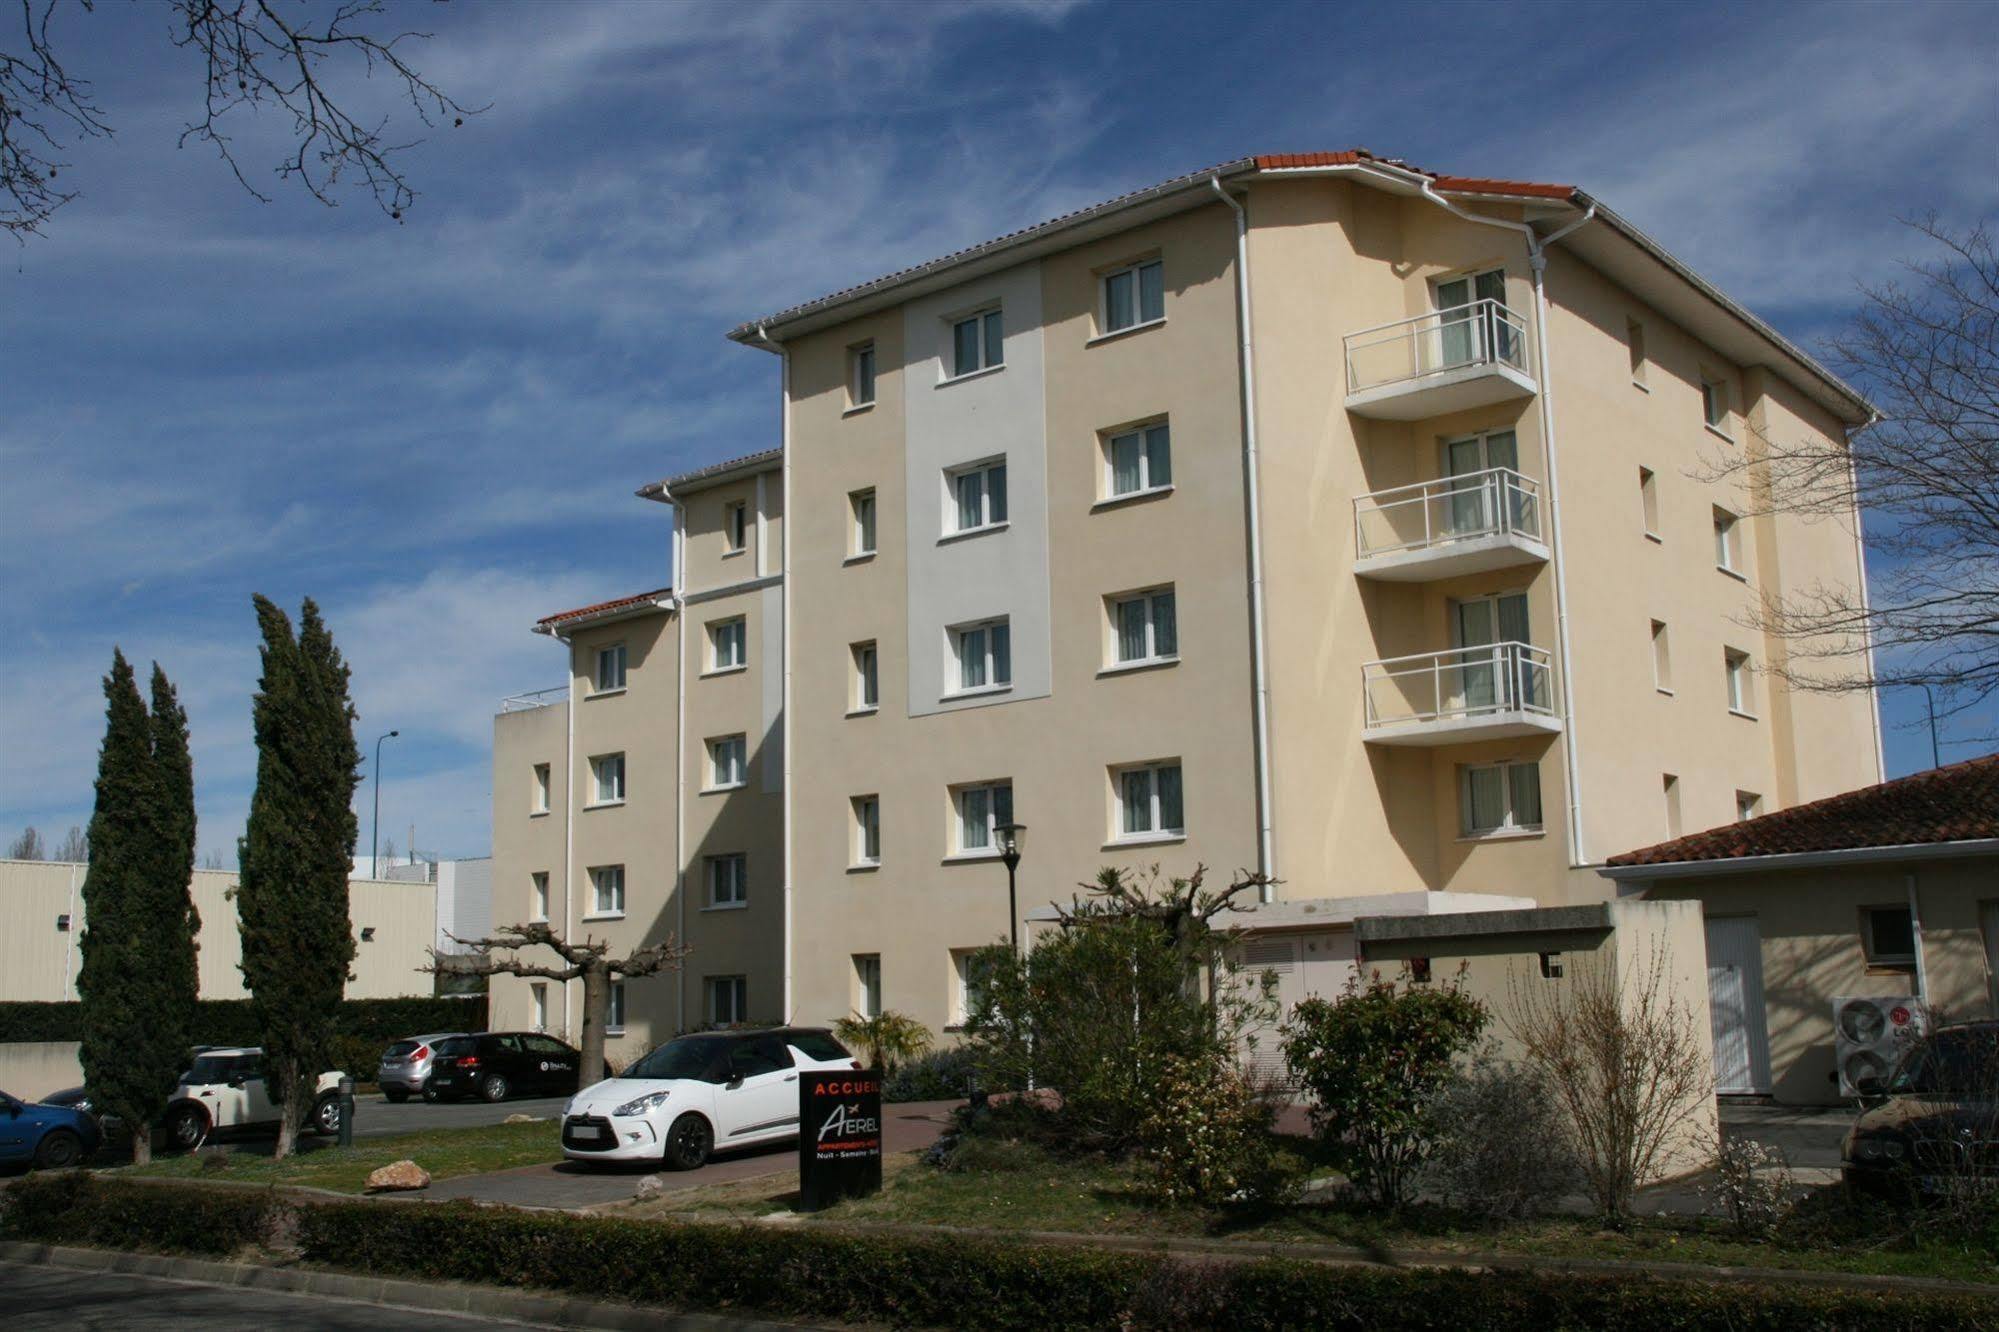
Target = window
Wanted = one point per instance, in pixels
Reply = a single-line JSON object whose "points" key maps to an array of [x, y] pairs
{"points": [[1137, 461], [538, 882], [1727, 542], [1740, 697], [727, 764], [1662, 659], [977, 343], [728, 644], [538, 1005], [1149, 803], [540, 789], [1145, 628], [1500, 798], [607, 890], [867, 678], [614, 1019], [968, 973], [736, 526], [607, 775], [728, 1000], [861, 375], [868, 984], [1634, 337], [980, 810], [728, 880], [1888, 933], [1670, 786], [1714, 404], [1134, 295], [610, 668], [1648, 497], [984, 655], [978, 497], [1747, 805], [862, 505], [1551, 966], [867, 830]]}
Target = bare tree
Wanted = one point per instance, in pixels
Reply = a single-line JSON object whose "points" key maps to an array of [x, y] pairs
{"points": [[1927, 472], [28, 846], [74, 847], [213, 861], [255, 57], [589, 961]]}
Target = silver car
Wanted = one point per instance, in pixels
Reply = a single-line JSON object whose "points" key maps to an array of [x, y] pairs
{"points": [[405, 1066]]}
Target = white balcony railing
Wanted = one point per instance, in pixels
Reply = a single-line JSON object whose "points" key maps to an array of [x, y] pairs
{"points": [[1431, 514], [1493, 680], [539, 698], [1481, 333]]}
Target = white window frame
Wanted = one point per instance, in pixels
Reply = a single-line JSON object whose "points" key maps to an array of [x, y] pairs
{"points": [[728, 879], [538, 1005], [990, 340], [988, 522], [1716, 404], [603, 767], [1148, 603], [733, 635], [1158, 827], [735, 527], [737, 990], [1648, 502], [1728, 543], [1634, 338], [961, 819], [1510, 824], [607, 892], [867, 837], [865, 660], [1737, 667], [1148, 483], [962, 990], [867, 985], [538, 896], [1136, 271], [1662, 657], [543, 778], [614, 1010], [611, 663], [862, 370], [990, 660], [863, 513], [739, 744]]}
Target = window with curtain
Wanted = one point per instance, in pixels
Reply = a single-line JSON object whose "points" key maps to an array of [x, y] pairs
{"points": [[981, 809], [978, 496], [868, 984], [1500, 797], [729, 641], [1134, 295], [1150, 802], [985, 655], [862, 502], [614, 1018], [867, 830], [1147, 627], [727, 761], [607, 890], [861, 388], [608, 774], [1139, 460], [728, 1000], [978, 342], [867, 684], [611, 668]]}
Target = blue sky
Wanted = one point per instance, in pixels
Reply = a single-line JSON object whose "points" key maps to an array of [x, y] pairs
{"points": [[435, 428]]}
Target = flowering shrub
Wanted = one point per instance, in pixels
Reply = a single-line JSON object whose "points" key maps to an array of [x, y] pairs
{"points": [[1207, 1139], [1751, 1186]]}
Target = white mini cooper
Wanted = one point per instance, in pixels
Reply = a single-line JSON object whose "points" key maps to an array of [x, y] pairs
{"points": [[224, 1092], [699, 1094]]}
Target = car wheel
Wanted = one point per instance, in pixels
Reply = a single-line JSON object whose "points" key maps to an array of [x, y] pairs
{"points": [[326, 1115], [57, 1149], [431, 1095], [688, 1142], [187, 1127], [395, 1095], [493, 1087]]}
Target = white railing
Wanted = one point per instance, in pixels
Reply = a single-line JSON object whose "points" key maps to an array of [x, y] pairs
{"points": [[1482, 333], [1459, 683], [539, 698], [1497, 501]]}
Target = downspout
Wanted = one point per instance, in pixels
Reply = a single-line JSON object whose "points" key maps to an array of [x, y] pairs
{"points": [[1266, 856], [679, 575], [784, 619], [1916, 929], [568, 823], [1537, 263]]}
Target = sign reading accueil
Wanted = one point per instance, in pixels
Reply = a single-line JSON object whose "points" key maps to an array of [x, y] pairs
{"points": [[840, 1136]]}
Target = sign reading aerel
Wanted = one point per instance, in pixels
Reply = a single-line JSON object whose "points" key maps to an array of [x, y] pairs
{"points": [[840, 1137]]}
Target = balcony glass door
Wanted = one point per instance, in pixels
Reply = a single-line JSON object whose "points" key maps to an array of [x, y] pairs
{"points": [[1467, 337], [1483, 622], [1473, 504]]}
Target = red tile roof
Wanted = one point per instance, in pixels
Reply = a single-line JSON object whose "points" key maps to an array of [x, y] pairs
{"points": [[605, 607], [1959, 803]]}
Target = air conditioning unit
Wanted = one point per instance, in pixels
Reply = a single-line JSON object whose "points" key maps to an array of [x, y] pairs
{"points": [[1870, 1035]]}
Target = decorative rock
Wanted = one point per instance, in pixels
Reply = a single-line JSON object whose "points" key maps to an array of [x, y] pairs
{"points": [[399, 1176], [649, 1187], [518, 1119]]}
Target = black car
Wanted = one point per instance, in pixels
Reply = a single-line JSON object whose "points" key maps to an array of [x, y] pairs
{"points": [[1932, 1126], [494, 1065]]}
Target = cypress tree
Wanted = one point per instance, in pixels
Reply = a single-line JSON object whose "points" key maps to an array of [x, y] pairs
{"points": [[297, 852], [175, 922]]}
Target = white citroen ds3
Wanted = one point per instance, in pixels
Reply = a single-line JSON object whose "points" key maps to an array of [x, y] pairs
{"points": [[699, 1094]]}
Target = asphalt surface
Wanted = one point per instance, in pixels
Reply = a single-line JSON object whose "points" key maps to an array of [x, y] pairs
{"points": [[1809, 1137], [375, 1117], [38, 1298]]}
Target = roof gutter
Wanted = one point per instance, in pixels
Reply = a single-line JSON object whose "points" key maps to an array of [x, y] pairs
{"points": [[1642, 875]]}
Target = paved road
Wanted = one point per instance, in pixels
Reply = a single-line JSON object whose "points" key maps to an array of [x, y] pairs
{"points": [[44, 1299]]}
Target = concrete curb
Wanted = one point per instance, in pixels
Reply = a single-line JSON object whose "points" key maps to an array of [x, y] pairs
{"points": [[424, 1296]]}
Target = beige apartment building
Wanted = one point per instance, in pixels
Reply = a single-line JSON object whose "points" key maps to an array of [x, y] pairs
{"points": [[1313, 514]]}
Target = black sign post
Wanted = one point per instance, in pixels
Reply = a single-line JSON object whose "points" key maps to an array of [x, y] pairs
{"points": [[839, 1136]]}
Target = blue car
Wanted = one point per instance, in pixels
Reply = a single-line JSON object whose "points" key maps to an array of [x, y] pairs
{"points": [[46, 1137]]}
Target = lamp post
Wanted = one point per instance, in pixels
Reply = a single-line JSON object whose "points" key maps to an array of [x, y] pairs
{"points": [[1012, 841], [375, 845]]}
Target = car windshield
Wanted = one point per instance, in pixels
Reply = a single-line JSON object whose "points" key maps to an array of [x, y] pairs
{"points": [[688, 1057], [1963, 1063], [211, 1069], [816, 1045]]}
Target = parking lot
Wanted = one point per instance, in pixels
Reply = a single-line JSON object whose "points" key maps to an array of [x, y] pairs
{"points": [[375, 1117]]}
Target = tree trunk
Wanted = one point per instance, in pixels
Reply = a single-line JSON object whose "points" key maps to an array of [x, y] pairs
{"points": [[142, 1146], [286, 1089], [596, 1012]]}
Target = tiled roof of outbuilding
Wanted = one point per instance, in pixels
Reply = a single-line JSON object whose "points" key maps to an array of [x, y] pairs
{"points": [[604, 608]]}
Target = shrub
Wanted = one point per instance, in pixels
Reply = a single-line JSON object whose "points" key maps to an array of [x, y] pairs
{"points": [[1750, 1186], [1373, 1060], [1502, 1149], [1208, 1138], [940, 1075], [885, 1041]]}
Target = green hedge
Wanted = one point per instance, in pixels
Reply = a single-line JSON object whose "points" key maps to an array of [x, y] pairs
{"points": [[945, 1282], [230, 1022]]}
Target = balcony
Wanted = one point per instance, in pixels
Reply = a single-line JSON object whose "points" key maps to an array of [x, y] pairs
{"points": [[539, 698], [1437, 363], [1453, 525], [1495, 691]]}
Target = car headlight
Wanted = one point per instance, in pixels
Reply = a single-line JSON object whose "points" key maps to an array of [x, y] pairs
{"points": [[639, 1105], [1879, 1149]]}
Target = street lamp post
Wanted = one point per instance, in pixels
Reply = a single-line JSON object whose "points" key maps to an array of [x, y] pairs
{"points": [[1012, 841], [375, 845]]}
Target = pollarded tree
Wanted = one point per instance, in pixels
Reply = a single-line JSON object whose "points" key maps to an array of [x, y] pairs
{"points": [[292, 904]]}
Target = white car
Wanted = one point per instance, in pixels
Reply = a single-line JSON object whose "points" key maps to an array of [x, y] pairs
{"points": [[698, 1094], [224, 1092]]}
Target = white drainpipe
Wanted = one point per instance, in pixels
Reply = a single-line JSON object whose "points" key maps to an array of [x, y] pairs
{"points": [[1916, 929], [1266, 855], [679, 576], [784, 602], [568, 823]]}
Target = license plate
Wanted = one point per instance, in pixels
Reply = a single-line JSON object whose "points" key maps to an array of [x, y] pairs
{"points": [[590, 1131]]}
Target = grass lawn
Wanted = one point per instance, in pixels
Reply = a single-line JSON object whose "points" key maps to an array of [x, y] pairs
{"points": [[1031, 1190], [443, 1152]]}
